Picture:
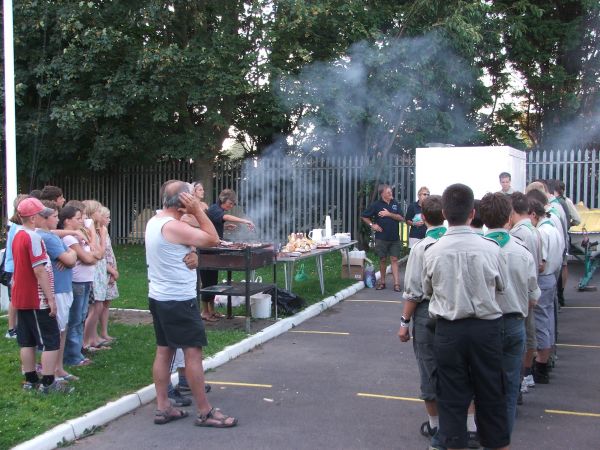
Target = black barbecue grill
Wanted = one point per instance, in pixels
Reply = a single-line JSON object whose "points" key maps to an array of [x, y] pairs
{"points": [[240, 257]]}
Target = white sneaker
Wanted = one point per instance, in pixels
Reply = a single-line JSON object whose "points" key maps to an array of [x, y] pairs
{"points": [[524, 388], [528, 381]]}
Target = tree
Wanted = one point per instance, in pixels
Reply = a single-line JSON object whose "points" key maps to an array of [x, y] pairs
{"points": [[553, 46], [106, 84]]}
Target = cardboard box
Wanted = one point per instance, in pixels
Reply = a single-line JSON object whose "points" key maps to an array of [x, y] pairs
{"points": [[356, 272], [354, 260]]}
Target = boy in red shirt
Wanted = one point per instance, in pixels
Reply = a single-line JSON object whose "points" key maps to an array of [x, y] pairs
{"points": [[33, 298]]}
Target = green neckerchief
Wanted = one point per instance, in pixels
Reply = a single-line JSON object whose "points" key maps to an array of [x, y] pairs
{"points": [[436, 233], [547, 222], [554, 200], [501, 237], [555, 211], [529, 225]]}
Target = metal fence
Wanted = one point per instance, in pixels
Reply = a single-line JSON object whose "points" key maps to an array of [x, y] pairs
{"points": [[578, 169], [284, 195]]}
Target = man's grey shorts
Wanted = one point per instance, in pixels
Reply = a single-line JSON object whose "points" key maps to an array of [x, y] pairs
{"points": [[531, 342], [544, 312], [388, 248], [423, 346]]}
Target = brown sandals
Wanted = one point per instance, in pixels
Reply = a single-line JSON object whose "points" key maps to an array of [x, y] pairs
{"points": [[216, 419], [380, 286], [397, 288], [166, 416]]}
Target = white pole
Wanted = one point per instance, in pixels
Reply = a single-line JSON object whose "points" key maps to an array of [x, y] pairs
{"points": [[9, 111]]}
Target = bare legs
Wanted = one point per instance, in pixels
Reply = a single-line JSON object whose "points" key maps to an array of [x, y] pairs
{"points": [[60, 370], [90, 332], [104, 320]]}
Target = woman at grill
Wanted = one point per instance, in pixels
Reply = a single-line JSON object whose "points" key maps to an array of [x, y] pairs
{"points": [[218, 214]]}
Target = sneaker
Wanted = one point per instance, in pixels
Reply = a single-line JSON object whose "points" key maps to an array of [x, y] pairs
{"points": [[11, 334], [59, 387], [427, 431], [524, 387], [520, 398], [473, 440], [186, 390], [179, 400], [528, 381], [28, 386]]}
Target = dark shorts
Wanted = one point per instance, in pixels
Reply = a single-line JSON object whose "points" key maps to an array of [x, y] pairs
{"points": [[177, 324], [468, 354], [388, 248], [423, 338], [35, 328]]}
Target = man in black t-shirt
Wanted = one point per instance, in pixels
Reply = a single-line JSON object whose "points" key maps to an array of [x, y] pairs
{"points": [[383, 216]]}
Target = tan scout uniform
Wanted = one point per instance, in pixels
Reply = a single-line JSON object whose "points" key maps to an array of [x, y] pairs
{"points": [[520, 275], [471, 276], [530, 237], [461, 277], [519, 272]]}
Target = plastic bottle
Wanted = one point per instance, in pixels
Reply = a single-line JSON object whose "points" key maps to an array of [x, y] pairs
{"points": [[327, 227]]}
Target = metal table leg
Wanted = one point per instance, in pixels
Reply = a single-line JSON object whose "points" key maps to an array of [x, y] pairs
{"points": [[319, 259], [288, 274]]}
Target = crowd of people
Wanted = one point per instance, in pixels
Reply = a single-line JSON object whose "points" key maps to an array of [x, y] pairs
{"points": [[484, 305], [64, 277]]}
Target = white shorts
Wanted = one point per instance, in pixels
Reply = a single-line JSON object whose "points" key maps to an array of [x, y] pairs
{"points": [[64, 301], [178, 360]]}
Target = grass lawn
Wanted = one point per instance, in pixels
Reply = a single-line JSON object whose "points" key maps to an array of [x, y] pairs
{"points": [[114, 373], [127, 367], [133, 284]]}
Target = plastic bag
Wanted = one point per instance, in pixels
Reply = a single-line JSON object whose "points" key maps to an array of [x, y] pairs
{"points": [[288, 303], [370, 279], [301, 274]]}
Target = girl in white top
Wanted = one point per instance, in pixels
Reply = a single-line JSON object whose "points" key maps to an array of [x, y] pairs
{"points": [[91, 340], [113, 275]]}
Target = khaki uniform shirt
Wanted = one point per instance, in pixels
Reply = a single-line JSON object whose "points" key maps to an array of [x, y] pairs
{"points": [[530, 237], [413, 275], [552, 246], [461, 276], [519, 272]]}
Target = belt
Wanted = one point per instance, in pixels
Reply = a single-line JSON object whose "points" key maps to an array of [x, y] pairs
{"points": [[514, 315]]}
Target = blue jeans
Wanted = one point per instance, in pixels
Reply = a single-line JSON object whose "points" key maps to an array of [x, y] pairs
{"points": [[513, 346], [77, 315]]}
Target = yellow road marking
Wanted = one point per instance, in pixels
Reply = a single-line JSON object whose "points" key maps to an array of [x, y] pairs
{"points": [[231, 383], [339, 333], [571, 413], [389, 397], [374, 301], [580, 307], [578, 345]]}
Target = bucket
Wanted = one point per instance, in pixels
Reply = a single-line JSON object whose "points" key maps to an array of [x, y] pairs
{"points": [[260, 306]]}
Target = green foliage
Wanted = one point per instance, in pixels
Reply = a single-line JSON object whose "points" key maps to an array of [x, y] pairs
{"points": [[553, 45], [107, 84]]}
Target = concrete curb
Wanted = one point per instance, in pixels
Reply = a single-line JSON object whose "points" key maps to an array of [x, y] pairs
{"points": [[76, 428]]}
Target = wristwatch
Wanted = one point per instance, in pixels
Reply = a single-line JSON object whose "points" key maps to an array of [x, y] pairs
{"points": [[404, 320]]}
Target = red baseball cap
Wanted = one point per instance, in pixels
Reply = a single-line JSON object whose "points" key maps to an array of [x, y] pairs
{"points": [[32, 206]]}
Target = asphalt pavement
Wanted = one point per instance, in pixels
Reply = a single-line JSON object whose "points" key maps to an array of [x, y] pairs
{"points": [[343, 380]]}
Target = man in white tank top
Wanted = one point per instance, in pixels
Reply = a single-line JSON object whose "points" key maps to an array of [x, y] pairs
{"points": [[172, 301]]}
